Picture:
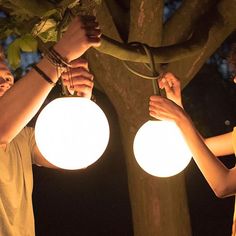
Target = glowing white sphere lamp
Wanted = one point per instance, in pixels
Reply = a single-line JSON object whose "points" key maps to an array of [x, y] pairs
{"points": [[72, 132], [160, 149]]}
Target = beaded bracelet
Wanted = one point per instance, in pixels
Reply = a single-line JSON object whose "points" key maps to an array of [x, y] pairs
{"points": [[43, 75]]}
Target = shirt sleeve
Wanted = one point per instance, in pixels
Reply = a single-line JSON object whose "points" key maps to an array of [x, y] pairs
{"points": [[31, 142]]}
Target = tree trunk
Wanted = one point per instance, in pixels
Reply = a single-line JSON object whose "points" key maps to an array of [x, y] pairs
{"points": [[159, 205]]}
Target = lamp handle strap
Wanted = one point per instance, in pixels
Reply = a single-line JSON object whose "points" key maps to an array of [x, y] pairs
{"points": [[151, 66]]}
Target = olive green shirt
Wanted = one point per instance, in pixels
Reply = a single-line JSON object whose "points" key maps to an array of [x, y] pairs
{"points": [[16, 184]]}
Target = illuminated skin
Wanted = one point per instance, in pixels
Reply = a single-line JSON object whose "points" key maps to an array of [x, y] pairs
{"points": [[20, 103], [221, 179]]}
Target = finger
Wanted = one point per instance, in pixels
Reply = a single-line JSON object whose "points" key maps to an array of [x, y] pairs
{"points": [[152, 107], [82, 90], [79, 62], [76, 73], [152, 104], [170, 76], [94, 42], [91, 24], [160, 83], [78, 81], [155, 98], [160, 80], [172, 80], [82, 81], [91, 32], [153, 113], [166, 86]]}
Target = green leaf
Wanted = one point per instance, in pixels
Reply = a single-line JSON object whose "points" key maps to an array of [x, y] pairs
{"points": [[44, 26], [49, 36], [13, 54], [28, 43]]}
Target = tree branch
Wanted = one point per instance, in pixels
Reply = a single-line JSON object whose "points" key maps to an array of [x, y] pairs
{"points": [[161, 54], [187, 68], [180, 26]]}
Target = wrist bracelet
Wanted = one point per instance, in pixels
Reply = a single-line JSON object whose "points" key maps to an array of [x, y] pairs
{"points": [[56, 55], [43, 75]]}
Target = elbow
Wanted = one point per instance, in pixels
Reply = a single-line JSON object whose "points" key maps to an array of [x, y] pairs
{"points": [[222, 192]]}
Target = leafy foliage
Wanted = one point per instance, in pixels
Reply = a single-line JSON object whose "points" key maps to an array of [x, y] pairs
{"points": [[25, 43], [30, 20]]}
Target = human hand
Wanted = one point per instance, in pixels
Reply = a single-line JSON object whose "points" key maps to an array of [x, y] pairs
{"points": [[78, 79], [82, 33], [172, 87], [164, 109]]}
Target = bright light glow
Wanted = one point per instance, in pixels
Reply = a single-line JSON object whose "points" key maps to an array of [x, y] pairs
{"points": [[72, 132], [160, 149]]}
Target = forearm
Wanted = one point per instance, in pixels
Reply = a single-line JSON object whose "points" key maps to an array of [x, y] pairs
{"points": [[24, 99], [213, 170], [220, 145]]}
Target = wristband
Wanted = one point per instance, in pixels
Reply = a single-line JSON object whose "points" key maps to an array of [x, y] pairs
{"points": [[43, 75]]}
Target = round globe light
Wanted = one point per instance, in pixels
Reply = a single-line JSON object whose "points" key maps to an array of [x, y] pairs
{"points": [[160, 149], [72, 132]]}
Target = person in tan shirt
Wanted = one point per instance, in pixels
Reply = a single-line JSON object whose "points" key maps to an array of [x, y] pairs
{"points": [[18, 104]]}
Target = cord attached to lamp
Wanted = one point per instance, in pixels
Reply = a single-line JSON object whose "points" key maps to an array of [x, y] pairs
{"points": [[159, 147], [151, 66]]}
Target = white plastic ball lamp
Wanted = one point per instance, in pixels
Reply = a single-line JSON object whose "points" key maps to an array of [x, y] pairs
{"points": [[160, 149], [72, 132]]}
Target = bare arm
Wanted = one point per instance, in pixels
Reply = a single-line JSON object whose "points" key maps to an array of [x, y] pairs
{"points": [[221, 179], [22, 101], [220, 145]]}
